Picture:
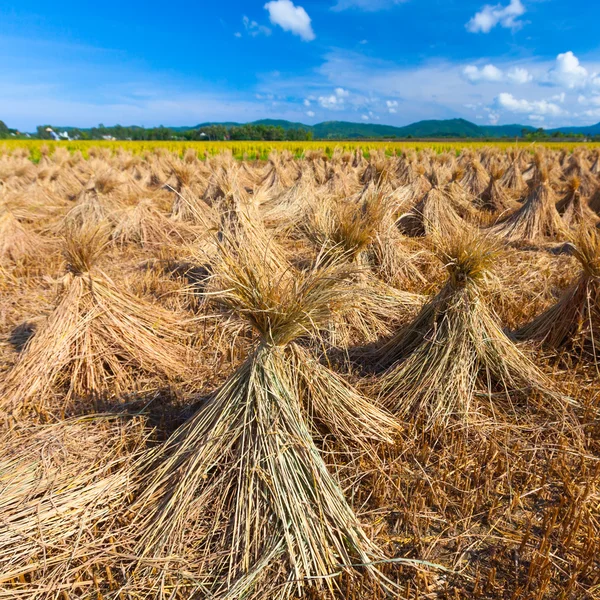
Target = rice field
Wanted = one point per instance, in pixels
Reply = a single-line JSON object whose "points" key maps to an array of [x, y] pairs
{"points": [[361, 371], [242, 150]]}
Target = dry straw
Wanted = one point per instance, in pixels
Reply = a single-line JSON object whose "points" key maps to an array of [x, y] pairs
{"points": [[573, 323], [454, 359], [240, 494], [96, 340], [537, 220]]}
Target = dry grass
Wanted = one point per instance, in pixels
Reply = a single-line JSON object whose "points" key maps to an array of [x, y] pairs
{"points": [[313, 365], [96, 342]]}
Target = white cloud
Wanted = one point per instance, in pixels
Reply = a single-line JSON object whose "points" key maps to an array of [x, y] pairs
{"points": [[237, 34], [488, 73], [568, 72], [493, 117], [392, 106], [536, 118], [592, 100], [364, 117], [491, 16], [559, 98], [291, 18], [253, 28], [508, 102], [519, 75], [331, 102], [306, 102], [491, 73], [335, 101], [310, 113]]}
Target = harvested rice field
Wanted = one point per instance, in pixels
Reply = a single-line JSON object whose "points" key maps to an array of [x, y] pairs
{"points": [[319, 372]]}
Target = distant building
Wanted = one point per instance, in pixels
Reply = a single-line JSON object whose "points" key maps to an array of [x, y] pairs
{"points": [[53, 134]]}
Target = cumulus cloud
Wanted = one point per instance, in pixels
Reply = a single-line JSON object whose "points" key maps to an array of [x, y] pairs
{"points": [[310, 113], [291, 18], [491, 73], [491, 16], [335, 101], [253, 28], [488, 73], [508, 102], [519, 75], [568, 72], [392, 106], [331, 102]]}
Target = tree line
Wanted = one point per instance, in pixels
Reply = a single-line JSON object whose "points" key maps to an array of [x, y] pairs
{"points": [[208, 133]]}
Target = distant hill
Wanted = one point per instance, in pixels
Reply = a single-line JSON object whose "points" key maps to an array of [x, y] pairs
{"points": [[448, 128], [589, 130]]}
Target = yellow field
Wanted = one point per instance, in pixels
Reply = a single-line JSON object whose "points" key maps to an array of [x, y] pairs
{"points": [[260, 150]]}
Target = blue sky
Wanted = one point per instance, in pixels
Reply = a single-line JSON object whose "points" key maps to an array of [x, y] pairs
{"points": [[79, 63]]}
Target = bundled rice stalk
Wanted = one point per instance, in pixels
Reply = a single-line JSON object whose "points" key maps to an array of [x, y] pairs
{"points": [[17, 244], [144, 225], [359, 231], [578, 167], [454, 361], [277, 178], [573, 323], [460, 199], [574, 210], [512, 179], [60, 485], [238, 503], [95, 342], [495, 198], [475, 179], [289, 208], [433, 214], [91, 209], [537, 220]]}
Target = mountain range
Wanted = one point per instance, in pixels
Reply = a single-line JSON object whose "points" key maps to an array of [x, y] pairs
{"points": [[449, 128]]}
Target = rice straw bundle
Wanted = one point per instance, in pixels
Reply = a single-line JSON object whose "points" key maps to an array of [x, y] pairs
{"points": [[145, 225], [575, 210], [455, 351], [537, 219], [460, 199], [356, 231], [238, 502], [574, 321], [91, 209], [495, 198], [433, 214], [475, 179], [17, 244], [512, 179], [95, 342]]}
